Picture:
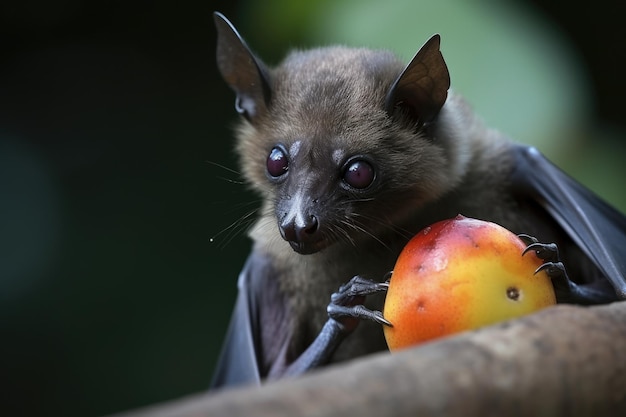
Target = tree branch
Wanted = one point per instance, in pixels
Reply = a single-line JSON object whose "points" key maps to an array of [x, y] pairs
{"points": [[562, 361]]}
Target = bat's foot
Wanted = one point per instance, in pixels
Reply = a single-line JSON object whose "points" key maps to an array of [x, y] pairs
{"points": [[565, 288], [345, 311], [549, 253], [346, 305]]}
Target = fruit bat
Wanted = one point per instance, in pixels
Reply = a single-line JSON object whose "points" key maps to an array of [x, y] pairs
{"points": [[352, 153]]}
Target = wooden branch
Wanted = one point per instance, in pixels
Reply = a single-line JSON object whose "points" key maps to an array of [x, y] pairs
{"points": [[563, 361]]}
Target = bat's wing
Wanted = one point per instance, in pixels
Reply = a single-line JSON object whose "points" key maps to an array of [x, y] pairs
{"points": [[597, 228], [238, 363]]}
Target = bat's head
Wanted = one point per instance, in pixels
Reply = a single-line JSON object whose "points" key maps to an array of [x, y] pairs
{"points": [[344, 144]]}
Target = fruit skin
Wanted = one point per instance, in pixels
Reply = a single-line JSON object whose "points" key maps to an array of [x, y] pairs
{"points": [[460, 274]]}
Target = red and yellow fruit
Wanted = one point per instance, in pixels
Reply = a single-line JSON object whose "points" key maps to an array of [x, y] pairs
{"points": [[460, 274]]}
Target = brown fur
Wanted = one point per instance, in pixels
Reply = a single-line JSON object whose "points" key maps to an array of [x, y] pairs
{"points": [[333, 97], [328, 104]]}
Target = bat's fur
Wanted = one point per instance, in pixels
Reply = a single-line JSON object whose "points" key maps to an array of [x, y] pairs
{"points": [[326, 105]]}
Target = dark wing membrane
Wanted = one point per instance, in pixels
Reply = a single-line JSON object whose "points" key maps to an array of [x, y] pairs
{"points": [[238, 363], [596, 227]]}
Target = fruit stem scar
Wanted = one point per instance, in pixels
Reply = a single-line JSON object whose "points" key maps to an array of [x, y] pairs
{"points": [[513, 293]]}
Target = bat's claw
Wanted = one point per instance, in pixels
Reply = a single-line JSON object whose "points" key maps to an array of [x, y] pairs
{"points": [[528, 239], [546, 251], [555, 270], [357, 287], [566, 289], [347, 303], [549, 253], [359, 311]]}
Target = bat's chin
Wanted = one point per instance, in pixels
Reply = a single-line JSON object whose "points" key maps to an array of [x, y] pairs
{"points": [[308, 248]]}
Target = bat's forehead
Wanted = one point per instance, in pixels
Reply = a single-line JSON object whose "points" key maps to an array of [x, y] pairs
{"points": [[335, 77], [332, 91]]}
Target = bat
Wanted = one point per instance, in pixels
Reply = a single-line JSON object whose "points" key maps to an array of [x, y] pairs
{"points": [[352, 153]]}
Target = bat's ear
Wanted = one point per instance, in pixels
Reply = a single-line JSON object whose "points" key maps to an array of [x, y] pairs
{"points": [[244, 72], [422, 88]]}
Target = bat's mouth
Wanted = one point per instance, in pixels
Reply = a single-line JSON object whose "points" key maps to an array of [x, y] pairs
{"points": [[308, 248]]}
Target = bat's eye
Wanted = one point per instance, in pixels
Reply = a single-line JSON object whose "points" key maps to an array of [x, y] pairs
{"points": [[358, 174], [277, 162]]}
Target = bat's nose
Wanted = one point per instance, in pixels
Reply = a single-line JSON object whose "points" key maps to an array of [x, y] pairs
{"points": [[300, 222], [299, 229]]}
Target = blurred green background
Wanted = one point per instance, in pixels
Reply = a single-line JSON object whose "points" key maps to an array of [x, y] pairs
{"points": [[118, 262]]}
